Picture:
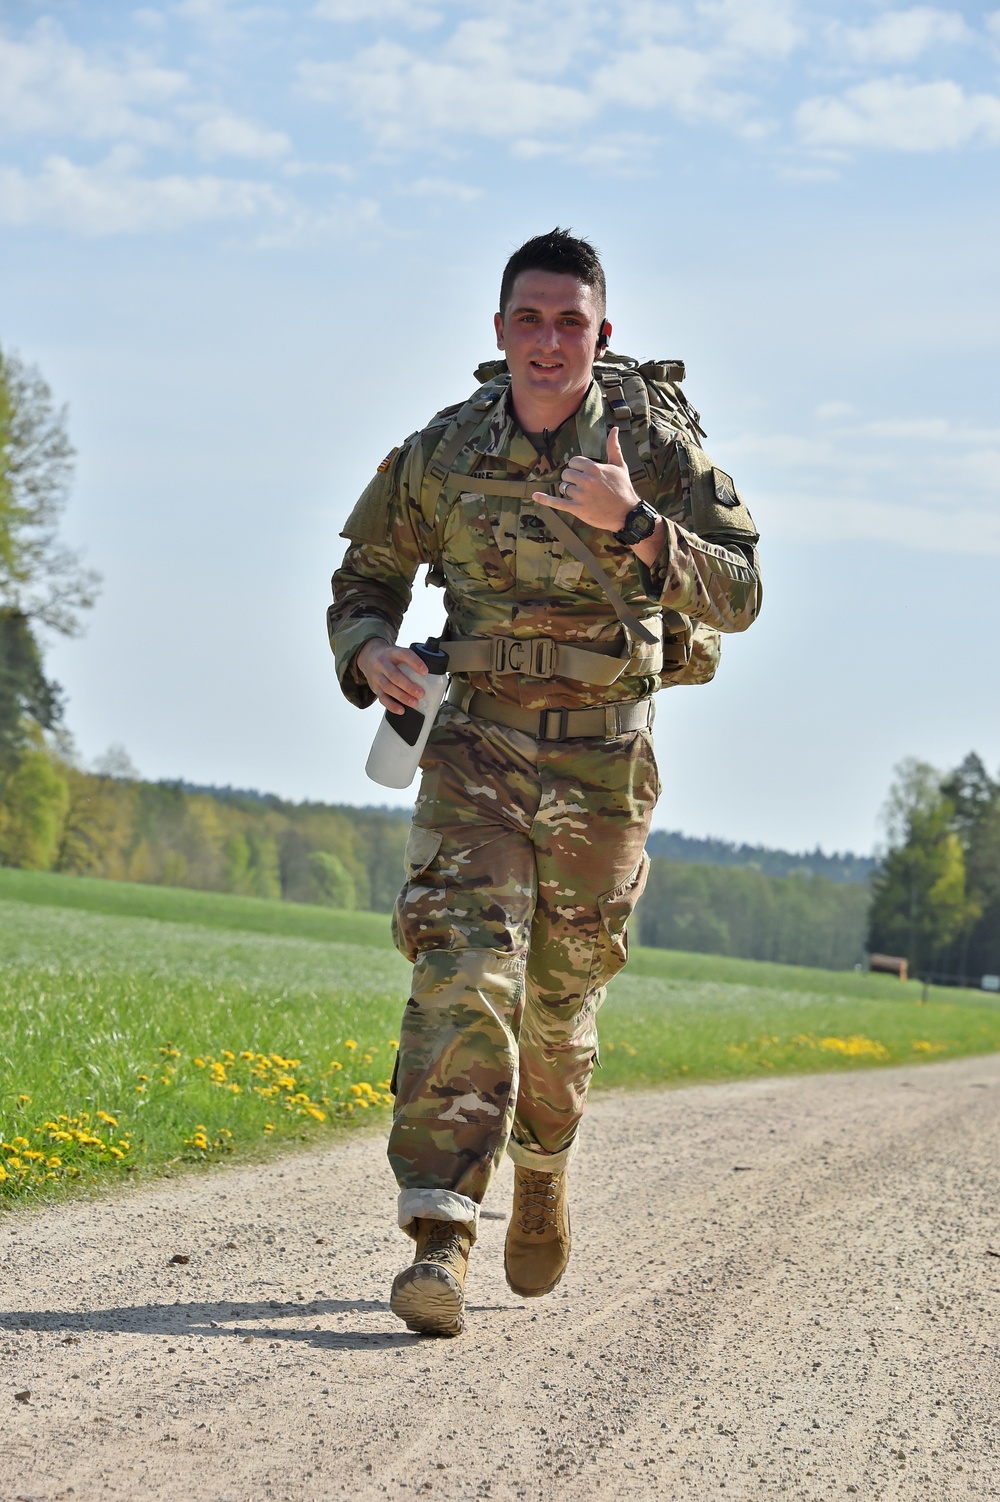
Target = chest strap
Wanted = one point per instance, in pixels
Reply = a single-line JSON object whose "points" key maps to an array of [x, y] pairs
{"points": [[541, 657], [523, 489], [603, 723]]}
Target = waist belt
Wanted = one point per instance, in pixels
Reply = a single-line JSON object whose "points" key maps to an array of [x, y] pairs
{"points": [[541, 657], [555, 724]]}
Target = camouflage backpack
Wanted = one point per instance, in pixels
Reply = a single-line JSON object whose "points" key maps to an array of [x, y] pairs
{"points": [[632, 391]]}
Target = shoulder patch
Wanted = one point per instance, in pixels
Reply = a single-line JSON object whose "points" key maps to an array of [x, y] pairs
{"points": [[725, 491], [387, 460]]}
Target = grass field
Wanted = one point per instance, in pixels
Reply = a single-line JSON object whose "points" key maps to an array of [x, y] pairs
{"points": [[144, 1027]]}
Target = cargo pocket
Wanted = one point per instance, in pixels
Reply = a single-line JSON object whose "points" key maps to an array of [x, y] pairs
{"points": [[616, 906], [422, 845], [419, 919]]}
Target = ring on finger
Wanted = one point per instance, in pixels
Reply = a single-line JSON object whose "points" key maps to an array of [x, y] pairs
{"points": [[564, 488]]}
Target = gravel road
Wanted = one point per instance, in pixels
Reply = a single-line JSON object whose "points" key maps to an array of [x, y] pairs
{"points": [[788, 1286]]}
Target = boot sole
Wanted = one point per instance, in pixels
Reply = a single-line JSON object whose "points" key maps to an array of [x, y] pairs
{"points": [[428, 1300]]}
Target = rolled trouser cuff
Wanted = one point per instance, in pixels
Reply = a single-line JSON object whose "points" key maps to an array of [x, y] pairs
{"points": [[530, 1157], [436, 1204]]}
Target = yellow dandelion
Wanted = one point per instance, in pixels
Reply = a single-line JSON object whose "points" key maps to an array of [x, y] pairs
{"points": [[108, 1120], [199, 1063], [350, 1043], [269, 1126], [393, 1043], [24, 1100]]}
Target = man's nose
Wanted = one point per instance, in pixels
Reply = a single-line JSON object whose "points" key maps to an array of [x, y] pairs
{"points": [[548, 336]]}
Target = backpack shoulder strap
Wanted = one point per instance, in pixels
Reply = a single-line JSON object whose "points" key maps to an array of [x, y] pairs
{"points": [[626, 403], [466, 419]]}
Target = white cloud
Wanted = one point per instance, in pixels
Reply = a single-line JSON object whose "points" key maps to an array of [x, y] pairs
{"points": [[678, 79], [900, 116], [956, 528], [528, 72], [50, 87], [412, 15], [652, 20], [221, 19], [752, 28], [901, 36], [229, 135], [442, 187], [111, 198], [401, 97], [833, 484], [934, 430]]}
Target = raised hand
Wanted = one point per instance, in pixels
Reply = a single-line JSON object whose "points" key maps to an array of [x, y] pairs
{"points": [[599, 494]]}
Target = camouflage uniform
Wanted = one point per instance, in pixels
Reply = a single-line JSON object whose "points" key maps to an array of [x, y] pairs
{"points": [[526, 855]]}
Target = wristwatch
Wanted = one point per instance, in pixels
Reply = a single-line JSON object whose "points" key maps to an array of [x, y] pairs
{"points": [[639, 524]]}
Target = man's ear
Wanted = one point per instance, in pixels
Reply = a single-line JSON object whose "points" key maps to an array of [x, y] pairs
{"points": [[498, 325], [603, 335]]}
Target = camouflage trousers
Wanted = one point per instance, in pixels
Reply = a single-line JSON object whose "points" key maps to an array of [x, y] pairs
{"points": [[523, 863]]}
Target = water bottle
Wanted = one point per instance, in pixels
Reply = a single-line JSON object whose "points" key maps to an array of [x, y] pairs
{"points": [[400, 740]]}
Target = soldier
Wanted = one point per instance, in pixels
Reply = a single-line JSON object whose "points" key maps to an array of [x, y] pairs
{"points": [[589, 552]]}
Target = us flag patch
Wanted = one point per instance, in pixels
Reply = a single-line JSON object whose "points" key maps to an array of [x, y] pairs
{"points": [[387, 460]]}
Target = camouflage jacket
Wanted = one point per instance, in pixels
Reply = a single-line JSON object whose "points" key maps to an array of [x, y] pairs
{"points": [[503, 572]]}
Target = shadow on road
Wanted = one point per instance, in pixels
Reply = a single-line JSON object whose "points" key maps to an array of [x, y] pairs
{"points": [[236, 1320]]}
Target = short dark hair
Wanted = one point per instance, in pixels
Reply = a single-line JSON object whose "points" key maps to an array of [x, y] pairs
{"points": [[563, 253]]}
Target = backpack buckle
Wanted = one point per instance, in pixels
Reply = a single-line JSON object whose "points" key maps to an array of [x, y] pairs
{"points": [[534, 656]]}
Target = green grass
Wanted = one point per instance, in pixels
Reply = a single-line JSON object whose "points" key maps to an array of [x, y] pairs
{"points": [[111, 994], [125, 899]]}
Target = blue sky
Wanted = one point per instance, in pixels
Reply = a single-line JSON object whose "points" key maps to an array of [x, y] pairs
{"points": [[253, 246]]}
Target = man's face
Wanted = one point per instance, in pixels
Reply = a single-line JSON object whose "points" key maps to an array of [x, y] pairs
{"points": [[549, 334]]}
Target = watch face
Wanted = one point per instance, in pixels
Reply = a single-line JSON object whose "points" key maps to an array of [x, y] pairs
{"points": [[642, 523], [639, 524]]}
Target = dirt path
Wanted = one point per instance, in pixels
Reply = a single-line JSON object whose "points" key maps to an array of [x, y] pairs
{"points": [[783, 1286]]}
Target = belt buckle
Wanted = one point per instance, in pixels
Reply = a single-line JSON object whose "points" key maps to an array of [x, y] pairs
{"points": [[562, 725]]}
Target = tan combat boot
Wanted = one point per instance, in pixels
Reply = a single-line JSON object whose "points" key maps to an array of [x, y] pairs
{"points": [[538, 1236], [429, 1295]]}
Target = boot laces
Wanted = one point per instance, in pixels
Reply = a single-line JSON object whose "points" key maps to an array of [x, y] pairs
{"points": [[444, 1242], [536, 1211]]}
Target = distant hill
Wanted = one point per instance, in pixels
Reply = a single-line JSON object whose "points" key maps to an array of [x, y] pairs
{"points": [[840, 868]]}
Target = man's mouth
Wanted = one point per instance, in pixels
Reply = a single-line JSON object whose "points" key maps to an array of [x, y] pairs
{"points": [[546, 364]]}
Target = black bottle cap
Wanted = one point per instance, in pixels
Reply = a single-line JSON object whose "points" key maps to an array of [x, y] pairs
{"points": [[430, 653]]}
